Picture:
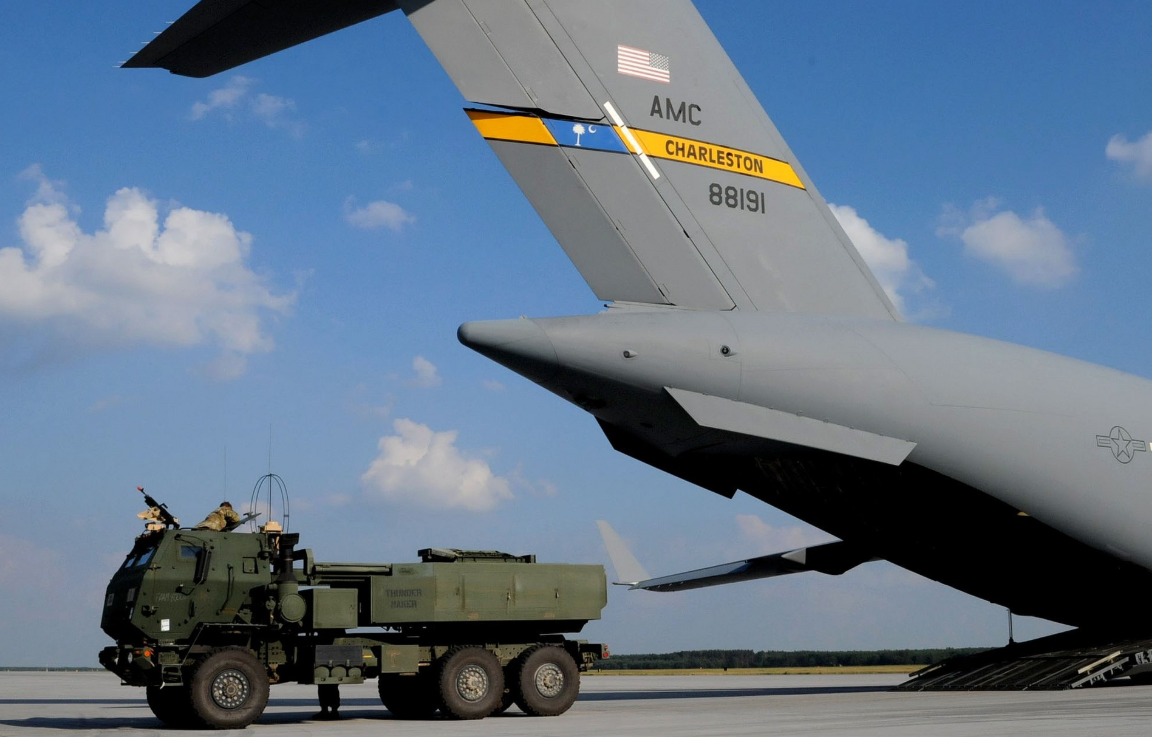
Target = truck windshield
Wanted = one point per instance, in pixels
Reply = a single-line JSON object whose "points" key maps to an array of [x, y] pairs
{"points": [[138, 558]]}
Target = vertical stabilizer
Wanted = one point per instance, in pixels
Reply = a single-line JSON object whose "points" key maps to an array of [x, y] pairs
{"points": [[641, 147], [626, 126], [628, 569]]}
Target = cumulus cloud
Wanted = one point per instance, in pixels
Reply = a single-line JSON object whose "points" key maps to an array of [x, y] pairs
{"points": [[765, 539], [537, 487], [160, 276], [1138, 154], [1032, 250], [422, 467], [237, 99], [427, 376], [377, 214], [887, 257]]}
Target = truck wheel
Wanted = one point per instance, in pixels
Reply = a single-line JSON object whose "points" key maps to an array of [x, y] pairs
{"points": [[470, 682], [548, 681], [171, 705], [229, 689], [408, 697]]}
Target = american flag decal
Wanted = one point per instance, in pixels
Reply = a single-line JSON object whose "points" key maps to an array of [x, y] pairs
{"points": [[644, 64]]}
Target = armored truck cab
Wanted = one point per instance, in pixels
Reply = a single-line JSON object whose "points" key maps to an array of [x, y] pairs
{"points": [[206, 620], [174, 581]]}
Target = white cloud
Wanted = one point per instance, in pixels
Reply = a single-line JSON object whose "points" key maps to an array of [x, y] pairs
{"points": [[237, 98], [1138, 154], [539, 487], [425, 468], [766, 539], [176, 280], [224, 98], [426, 374], [1033, 251], [887, 257], [377, 214], [492, 385]]}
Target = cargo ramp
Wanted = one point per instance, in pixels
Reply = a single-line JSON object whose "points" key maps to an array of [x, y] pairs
{"points": [[1059, 662]]}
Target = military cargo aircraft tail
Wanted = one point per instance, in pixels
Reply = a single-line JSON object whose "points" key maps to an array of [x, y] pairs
{"points": [[623, 124]]}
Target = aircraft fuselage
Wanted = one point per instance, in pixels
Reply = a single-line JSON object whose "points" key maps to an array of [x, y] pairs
{"points": [[981, 443]]}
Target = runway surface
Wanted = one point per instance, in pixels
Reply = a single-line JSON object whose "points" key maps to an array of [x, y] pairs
{"points": [[33, 704]]}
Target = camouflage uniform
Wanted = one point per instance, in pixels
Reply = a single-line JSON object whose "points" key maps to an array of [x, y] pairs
{"points": [[220, 518]]}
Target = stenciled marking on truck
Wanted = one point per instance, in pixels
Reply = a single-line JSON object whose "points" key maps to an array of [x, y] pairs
{"points": [[404, 598], [167, 597]]}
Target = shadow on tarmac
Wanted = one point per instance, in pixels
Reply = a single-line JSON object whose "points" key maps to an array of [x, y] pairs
{"points": [[727, 693], [368, 708]]}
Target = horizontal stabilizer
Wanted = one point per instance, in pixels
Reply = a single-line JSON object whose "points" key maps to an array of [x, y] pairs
{"points": [[217, 35], [832, 558], [628, 569], [751, 419]]}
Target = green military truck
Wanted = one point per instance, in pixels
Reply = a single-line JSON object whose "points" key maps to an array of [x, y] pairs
{"points": [[206, 620]]}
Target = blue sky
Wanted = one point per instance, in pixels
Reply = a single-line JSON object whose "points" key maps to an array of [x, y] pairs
{"points": [[190, 267]]}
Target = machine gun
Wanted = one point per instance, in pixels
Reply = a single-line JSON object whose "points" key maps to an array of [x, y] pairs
{"points": [[162, 513]]}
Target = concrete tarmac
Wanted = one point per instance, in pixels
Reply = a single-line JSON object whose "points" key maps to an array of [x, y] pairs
{"points": [[34, 704]]}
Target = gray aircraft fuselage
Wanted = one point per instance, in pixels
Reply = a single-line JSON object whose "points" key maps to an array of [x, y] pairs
{"points": [[1027, 476]]}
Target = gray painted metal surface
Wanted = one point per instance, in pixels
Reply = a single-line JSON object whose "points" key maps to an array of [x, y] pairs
{"points": [[751, 419], [831, 558], [498, 53], [1023, 426], [577, 219]]}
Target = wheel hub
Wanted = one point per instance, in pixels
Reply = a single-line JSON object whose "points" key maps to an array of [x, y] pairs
{"points": [[472, 683], [549, 680], [230, 689]]}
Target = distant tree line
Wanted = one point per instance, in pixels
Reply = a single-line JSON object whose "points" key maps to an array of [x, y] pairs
{"points": [[693, 659]]}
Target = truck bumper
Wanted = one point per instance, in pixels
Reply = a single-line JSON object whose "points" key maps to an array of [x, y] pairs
{"points": [[134, 665]]}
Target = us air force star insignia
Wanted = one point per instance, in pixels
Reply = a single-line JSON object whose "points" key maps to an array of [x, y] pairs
{"points": [[1123, 447]]}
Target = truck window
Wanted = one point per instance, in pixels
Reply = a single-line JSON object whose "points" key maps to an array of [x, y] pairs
{"points": [[138, 558]]}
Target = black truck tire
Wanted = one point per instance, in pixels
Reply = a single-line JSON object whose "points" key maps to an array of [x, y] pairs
{"points": [[470, 682], [548, 681], [408, 697], [229, 689], [171, 705]]}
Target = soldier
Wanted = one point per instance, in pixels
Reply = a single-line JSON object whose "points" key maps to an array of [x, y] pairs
{"points": [[220, 519], [329, 696]]}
